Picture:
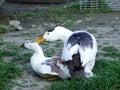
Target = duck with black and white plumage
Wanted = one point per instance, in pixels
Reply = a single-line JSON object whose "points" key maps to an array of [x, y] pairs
{"points": [[79, 50]]}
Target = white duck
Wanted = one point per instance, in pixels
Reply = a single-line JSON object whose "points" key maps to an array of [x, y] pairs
{"points": [[79, 51], [45, 66]]}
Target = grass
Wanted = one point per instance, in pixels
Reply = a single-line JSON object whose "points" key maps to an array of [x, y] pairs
{"points": [[107, 75], [1, 41], [65, 15], [57, 16], [14, 51], [7, 53], [8, 50], [111, 51], [8, 71], [107, 72], [107, 78], [23, 58], [3, 29]]}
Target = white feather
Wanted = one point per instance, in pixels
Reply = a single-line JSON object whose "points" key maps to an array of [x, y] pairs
{"points": [[68, 51], [38, 62]]}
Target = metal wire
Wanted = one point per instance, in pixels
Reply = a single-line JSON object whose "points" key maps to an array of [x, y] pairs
{"points": [[92, 4]]}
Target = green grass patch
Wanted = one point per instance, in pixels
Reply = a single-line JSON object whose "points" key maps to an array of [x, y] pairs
{"points": [[49, 53], [8, 68], [8, 50], [3, 29], [111, 51], [1, 41], [7, 53], [8, 71], [15, 52], [22, 58], [107, 78], [64, 16]]}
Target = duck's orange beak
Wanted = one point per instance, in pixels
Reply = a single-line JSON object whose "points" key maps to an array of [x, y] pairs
{"points": [[42, 39]]}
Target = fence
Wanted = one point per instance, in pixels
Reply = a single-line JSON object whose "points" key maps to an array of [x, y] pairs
{"points": [[99, 4]]}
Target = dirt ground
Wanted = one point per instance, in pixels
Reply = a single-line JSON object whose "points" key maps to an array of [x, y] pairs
{"points": [[105, 27]]}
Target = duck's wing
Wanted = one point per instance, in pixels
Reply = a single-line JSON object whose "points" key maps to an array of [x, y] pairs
{"points": [[67, 52], [83, 39], [54, 67], [78, 42]]}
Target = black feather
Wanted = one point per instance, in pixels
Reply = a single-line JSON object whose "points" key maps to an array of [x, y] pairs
{"points": [[81, 38], [74, 65], [50, 30]]}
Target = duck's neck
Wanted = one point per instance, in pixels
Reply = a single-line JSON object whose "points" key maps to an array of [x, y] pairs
{"points": [[39, 51], [65, 35]]}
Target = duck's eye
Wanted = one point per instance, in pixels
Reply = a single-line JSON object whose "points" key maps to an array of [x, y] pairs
{"points": [[48, 33], [27, 42]]}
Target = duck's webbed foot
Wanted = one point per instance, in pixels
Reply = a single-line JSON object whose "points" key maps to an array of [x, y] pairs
{"points": [[52, 79]]}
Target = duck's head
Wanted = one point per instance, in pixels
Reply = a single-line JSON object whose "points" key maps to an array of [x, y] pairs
{"points": [[31, 45], [58, 33]]}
